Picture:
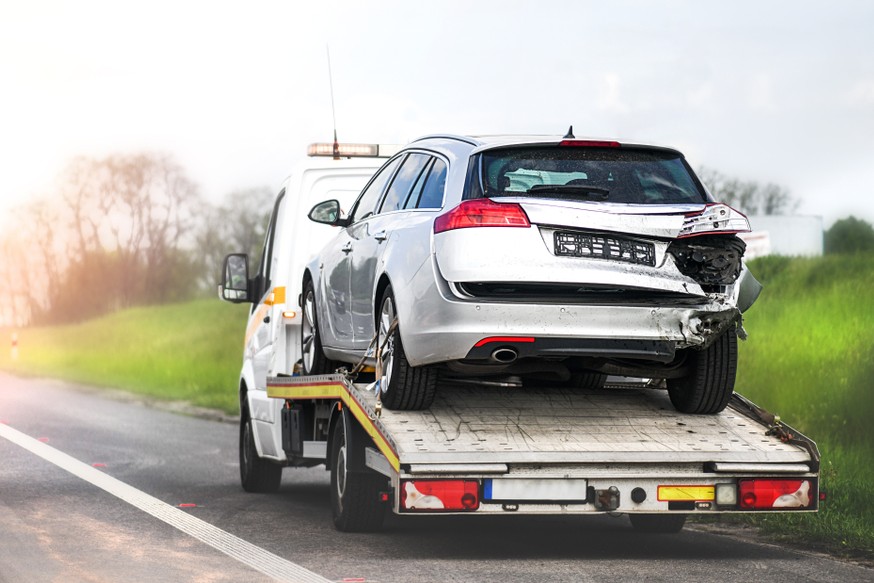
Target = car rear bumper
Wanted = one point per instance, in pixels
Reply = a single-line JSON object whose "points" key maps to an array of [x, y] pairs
{"points": [[440, 329]]}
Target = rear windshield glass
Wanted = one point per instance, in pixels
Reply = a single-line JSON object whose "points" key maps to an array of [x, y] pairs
{"points": [[624, 175]]}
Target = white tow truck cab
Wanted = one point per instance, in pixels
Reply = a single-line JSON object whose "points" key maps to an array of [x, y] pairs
{"points": [[481, 450]]}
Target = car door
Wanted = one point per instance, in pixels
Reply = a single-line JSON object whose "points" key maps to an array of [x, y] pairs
{"points": [[335, 301], [371, 237]]}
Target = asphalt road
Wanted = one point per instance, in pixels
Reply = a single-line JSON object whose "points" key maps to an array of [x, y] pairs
{"points": [[64, 517]]}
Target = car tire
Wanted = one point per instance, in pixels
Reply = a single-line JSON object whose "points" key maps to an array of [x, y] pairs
{"points": [[354, 494], [256, 475], [658, 523], [710, 382], [312, 355], [403, 387]]}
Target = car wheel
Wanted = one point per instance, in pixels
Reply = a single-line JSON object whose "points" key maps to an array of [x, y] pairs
{"points": [[710, 382], [403, 387], [313, 357], [354, 494], [658, 523], [256, 475]]}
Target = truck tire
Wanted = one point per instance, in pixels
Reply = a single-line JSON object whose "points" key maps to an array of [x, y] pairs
{"points": [[658, 523], [256, 475], [355, 495], [312, 355], [403, 387], [710, 383]]}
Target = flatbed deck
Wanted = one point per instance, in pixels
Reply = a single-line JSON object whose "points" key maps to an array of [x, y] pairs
{"points": [[469, 424]]}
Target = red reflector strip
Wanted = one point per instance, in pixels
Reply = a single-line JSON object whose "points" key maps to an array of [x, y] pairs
{"points": [[503, 339], [439, 495], [758, 494], [589, 144]]}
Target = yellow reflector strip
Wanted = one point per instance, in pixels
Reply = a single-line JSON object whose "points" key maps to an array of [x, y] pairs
{"points": [[276, 297], [686, 493]]}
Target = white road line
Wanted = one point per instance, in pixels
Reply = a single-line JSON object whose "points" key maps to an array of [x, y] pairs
{"points": [[233, 546]]}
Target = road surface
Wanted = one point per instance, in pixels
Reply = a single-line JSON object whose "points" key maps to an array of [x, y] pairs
{"points": [[104, 489]]}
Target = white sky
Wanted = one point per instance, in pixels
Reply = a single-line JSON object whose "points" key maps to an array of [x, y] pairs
{"points": [[770, 91]]}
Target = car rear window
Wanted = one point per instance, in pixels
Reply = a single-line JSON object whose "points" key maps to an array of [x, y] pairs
{"points": [[623, 175]]}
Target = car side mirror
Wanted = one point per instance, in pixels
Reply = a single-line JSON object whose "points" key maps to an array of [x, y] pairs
{"points": [[235, 285], [327, 213]]}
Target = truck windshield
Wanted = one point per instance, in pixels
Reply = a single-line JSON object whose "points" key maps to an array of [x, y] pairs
{"points": [[621, 175]]}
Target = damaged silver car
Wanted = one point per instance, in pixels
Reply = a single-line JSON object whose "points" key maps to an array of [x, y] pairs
{"points": [[532, 260]]}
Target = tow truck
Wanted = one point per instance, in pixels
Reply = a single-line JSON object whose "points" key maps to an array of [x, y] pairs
{"points": [[482, 450]]}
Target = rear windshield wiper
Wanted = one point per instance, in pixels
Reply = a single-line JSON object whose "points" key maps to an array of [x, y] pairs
{"points": [[594, 192]]}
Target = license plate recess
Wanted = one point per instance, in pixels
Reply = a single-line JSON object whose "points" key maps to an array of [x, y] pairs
{"points": [[598, 246]]}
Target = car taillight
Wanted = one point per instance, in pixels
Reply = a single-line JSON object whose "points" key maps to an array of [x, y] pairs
{"points": [[759, 494], [482, 212], [439, 495], [715, 218]]}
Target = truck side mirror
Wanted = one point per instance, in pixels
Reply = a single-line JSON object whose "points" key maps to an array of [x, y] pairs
{"points": [[235, 279], [328, 213]]}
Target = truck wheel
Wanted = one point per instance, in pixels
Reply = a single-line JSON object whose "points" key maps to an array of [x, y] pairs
{"points": [[403, 387], [709, 385], [256, 475], [314, 359], [355, 495], [658, 523]]}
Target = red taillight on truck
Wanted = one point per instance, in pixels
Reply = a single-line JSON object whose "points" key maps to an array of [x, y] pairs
{"points": [[439, 495], [482, 212], [782, 493]]}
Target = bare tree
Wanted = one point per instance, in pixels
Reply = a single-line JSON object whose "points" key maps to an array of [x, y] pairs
{"points": [[748, 196], [237, 225]]}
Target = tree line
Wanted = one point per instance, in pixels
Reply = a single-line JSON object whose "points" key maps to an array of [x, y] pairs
{"points": [[134, 229], [117, 232]]}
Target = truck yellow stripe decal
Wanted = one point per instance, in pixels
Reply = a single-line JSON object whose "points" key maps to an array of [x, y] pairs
{"points": [[335, 390]]}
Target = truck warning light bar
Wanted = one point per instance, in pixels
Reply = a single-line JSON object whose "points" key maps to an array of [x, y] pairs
{"points": [[343, 150]]}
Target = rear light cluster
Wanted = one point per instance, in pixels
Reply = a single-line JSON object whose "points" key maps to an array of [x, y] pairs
{"points": [[482, 212], [439, 495], [714, 219], [747, 494], [759, 494]]}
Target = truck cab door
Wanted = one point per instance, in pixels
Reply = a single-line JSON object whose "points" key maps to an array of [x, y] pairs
{"points": [[266, 317]]}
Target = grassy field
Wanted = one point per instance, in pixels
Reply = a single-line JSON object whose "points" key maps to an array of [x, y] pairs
{"points": [[809, 358], [188, 352]]}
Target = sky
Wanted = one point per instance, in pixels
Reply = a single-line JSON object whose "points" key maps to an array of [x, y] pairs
{"points": [[769, 91]]}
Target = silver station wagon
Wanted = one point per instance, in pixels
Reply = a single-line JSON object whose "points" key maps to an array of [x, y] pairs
{"points": [[530, 260]]}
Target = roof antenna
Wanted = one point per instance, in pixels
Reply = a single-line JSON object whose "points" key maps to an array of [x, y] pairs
{"points": [[333, 111], [569, 136]]}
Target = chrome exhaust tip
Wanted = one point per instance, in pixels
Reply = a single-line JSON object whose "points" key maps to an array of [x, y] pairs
{"points": [[504, 355]]}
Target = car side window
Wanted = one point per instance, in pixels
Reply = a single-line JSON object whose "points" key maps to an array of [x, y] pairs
{"points": [[366, 203], [406, 177], [431, 196]]}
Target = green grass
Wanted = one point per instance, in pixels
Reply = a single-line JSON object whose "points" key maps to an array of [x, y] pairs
{"points": [[809, 358], [188, 352]]}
